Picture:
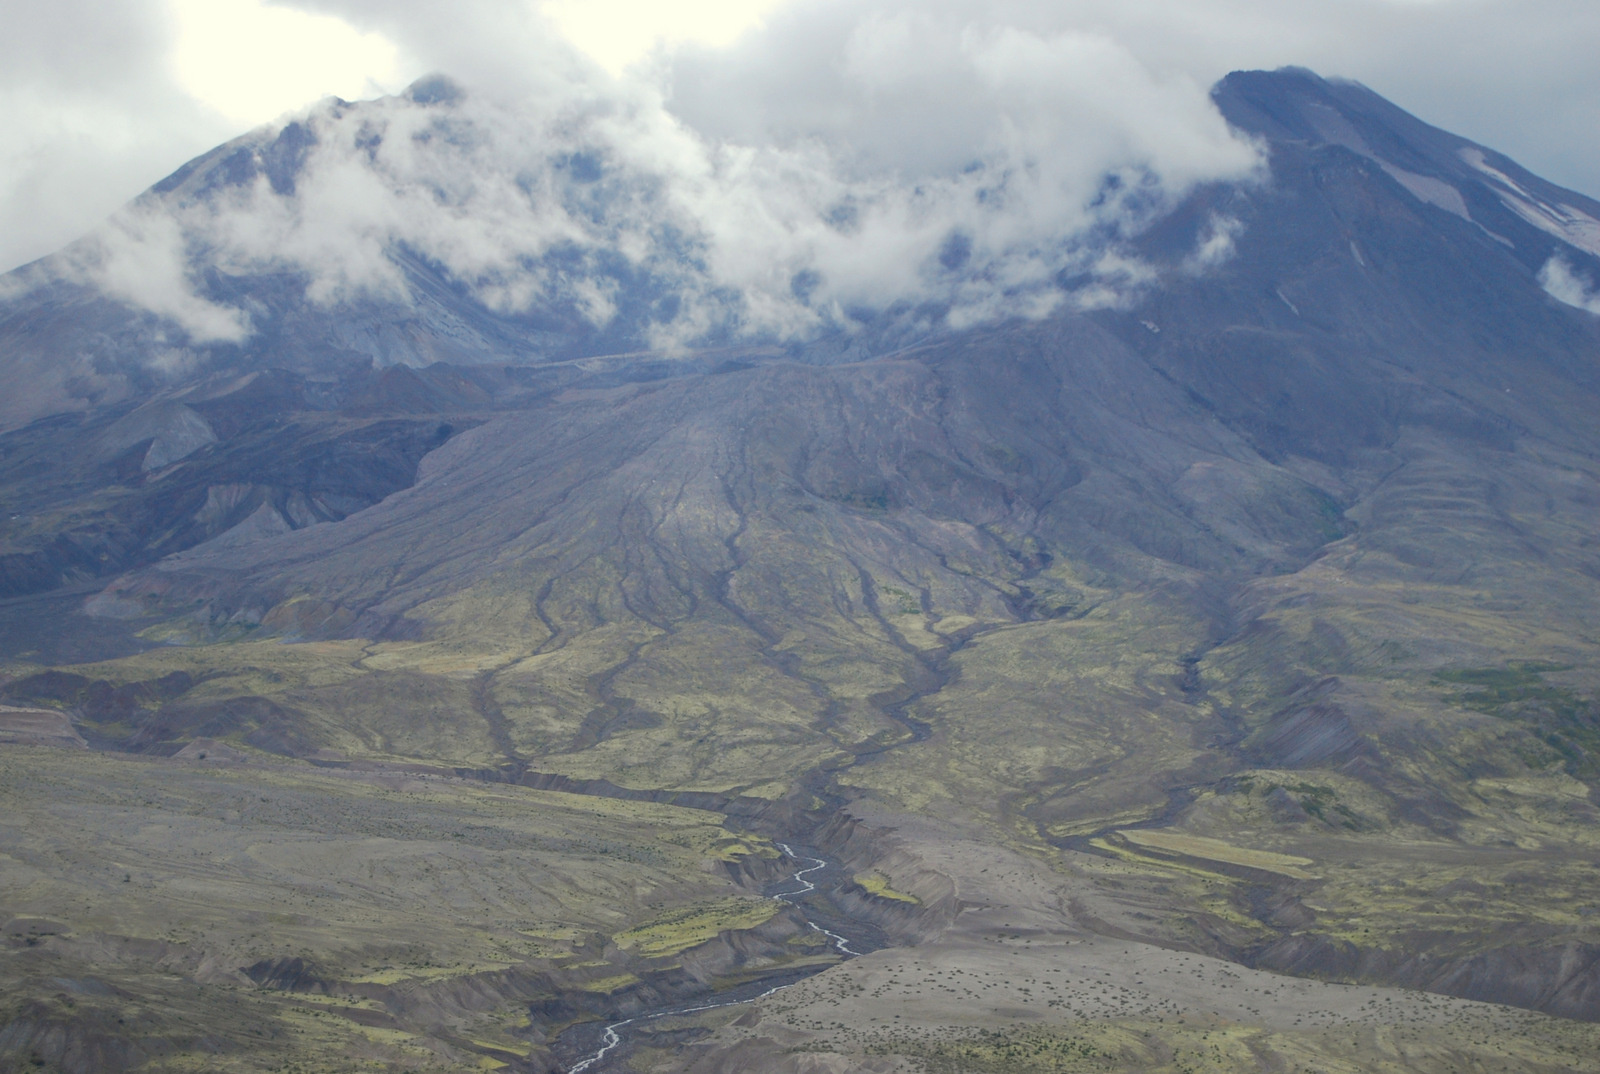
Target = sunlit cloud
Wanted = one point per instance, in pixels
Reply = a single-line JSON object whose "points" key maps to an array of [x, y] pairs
{"points": [[616, 33], [103, 99], [253, 61], [586, 198]]}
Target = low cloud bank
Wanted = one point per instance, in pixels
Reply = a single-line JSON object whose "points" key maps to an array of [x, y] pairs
{"points": [[99, 99], [960, 174]]}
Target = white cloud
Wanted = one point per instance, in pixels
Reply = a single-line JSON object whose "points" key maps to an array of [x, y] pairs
{"points": [[618, 33], [782, 163], [1562, 283], [141, 257], [1515, 74], [252, 61], [564, 195], [92, 116], [1216, 244]]}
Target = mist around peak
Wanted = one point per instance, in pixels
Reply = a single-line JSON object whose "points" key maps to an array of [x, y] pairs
{"points": [[967, 175]]}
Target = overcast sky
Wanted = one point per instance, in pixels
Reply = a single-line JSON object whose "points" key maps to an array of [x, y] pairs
{"points": [[100, 98]]}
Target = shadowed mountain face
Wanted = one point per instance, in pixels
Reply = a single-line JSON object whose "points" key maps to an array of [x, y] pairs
{"points": [[1258, 612]]}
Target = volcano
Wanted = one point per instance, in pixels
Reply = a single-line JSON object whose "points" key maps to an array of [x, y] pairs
{"points": [[1237, 627]]}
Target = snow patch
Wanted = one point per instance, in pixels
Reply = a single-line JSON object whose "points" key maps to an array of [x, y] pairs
{"points": [[1571, 225], [1435, 192], [1338, 130]]}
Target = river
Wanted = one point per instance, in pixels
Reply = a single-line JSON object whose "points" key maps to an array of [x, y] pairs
{"points": [[849, 939]]}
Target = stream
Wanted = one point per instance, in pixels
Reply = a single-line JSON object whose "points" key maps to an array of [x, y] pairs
{"points": [[819, 875]]}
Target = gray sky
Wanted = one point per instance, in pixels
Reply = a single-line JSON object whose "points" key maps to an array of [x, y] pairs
{"points": [[102, 98]]}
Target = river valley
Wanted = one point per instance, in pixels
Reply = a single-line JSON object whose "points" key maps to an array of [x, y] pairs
{"points": [[600, 1047]]}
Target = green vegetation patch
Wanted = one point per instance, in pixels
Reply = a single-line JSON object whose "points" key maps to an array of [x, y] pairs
{"points": [[1563, 720], [607, 985], [1178, 844], [1315, 799], [694, 925], [900, 601], [738, 847], [877, 884]]}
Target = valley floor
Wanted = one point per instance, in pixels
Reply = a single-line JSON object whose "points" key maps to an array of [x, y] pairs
{"points": [[220, 912], [1018, 983]]}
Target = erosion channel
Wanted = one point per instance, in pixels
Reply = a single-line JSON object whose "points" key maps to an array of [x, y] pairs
{"points": [[595, 1047]]}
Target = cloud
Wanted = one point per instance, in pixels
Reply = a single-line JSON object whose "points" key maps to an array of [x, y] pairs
{"points": [[1563, 283], [101, 99], [616, 33], [944, 157], [569, 189], [91, 117], [1515, 74], [142, 258], [253, 61], [1216, 245]]}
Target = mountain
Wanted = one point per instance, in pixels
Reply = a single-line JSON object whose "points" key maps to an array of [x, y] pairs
{"points": [[1233, 638]]}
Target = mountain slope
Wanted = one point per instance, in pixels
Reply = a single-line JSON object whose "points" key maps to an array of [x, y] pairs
{"points": [[1252, 616]]}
